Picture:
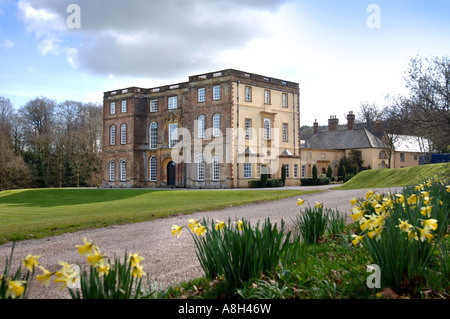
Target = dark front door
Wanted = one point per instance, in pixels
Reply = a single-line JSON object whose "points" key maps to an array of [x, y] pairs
{"points": [[171, 173]]}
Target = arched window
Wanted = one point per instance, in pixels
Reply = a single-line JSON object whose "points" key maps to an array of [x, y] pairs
{"points": [[123, 171], [112, 170], [267, 129], [215, 169], [382, 154], [112, 135], [123, 134], [201, 126], [153, 135], [153, 169], [201, 169], [216, 125]]}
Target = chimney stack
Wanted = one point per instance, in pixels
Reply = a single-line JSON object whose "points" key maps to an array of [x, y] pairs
{"points": [[378, 127], [316, 127], [333, 123], [350, 121]]}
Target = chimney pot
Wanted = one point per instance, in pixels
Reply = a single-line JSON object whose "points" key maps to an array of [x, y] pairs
{"points": [[316, 127]]}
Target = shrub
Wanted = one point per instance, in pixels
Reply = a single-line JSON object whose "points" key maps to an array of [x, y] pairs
{"points": [[306, 181], [314, 173], [255, 183], [283, 174], [272, 182]]}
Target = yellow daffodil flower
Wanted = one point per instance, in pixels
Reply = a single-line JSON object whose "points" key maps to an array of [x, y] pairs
{"points": [[200, 230], [176, 230], [426, 211], [404, 226], [318, 205], [138, 272], [425, 234], [366, 223], [15, 288], [447, 188], [353, 201], [45, 277], [220, 224], [356, 214], [240, 225], [369, 194], [30, 262], [103, 268], [375, 233], [95, 258], [431, 224], [193, 224], [412, 199], [400, 198], [300, 202], [135, 259], [357, 239], [87, 248], [66, 275], [418, 187]]}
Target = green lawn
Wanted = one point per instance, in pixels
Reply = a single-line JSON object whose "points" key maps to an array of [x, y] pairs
{"points": [[396, 177], [36, 213]]}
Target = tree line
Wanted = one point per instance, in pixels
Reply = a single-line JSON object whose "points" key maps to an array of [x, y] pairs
{"points": [[50, 144]]}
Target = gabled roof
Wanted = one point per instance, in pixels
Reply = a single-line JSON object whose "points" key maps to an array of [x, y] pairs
{"points": [[342, 140]]}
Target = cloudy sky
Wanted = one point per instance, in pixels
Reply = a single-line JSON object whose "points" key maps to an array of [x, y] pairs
{"points": [[340, 52]]}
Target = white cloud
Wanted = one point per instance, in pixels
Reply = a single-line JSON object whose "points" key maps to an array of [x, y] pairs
{"points": [[49, 46], [7, 44]]}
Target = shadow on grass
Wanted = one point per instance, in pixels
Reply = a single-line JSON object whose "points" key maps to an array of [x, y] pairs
{"points": [[68, 196]]}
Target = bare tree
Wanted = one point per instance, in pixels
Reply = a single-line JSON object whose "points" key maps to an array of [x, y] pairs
{"points": [[369, 114]]}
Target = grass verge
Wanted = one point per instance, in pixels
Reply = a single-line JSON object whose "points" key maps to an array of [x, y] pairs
{"points": [[37, 213], [394, 177]]}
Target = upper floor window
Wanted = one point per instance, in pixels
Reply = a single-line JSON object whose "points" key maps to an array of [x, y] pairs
{"points": [[173, 134], [248, 93], [173, 102], [382, 154], [285, 132], [285, 100], [201, 126], [216, 125], [124, 106], [112, 135], [216, 92], [123, 134], [402, 157], [153, 135], [248, 128], [112, 108], [201, 95], [267, 129], [266, 96], [154, 106]]}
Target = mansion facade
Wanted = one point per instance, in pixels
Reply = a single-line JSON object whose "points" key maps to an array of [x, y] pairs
{"points": [[218, 130]]}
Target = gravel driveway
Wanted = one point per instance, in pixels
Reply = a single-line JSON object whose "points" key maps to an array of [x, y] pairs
{"points": [[167, 259]]}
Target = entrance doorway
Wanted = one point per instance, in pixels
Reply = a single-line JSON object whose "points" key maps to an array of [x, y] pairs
{"points": [[171, 173]]}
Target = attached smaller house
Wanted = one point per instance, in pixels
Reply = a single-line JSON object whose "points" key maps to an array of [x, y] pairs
{"points": [[327, 148], [407, 151]]}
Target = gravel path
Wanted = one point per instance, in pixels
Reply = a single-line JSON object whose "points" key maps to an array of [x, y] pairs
{"points": [[167, 259]]}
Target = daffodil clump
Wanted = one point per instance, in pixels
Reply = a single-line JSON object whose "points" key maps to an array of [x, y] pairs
{"points": [[102, 280], [235, 251], [14, 286], [401, 231]]}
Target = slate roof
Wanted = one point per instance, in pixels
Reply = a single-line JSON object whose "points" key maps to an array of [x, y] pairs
{"points": [[342, 140]]}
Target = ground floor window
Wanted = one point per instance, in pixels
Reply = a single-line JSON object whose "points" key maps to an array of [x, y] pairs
{"points": [[153, 169], [215, 169], [247, 170], [112, 169]]}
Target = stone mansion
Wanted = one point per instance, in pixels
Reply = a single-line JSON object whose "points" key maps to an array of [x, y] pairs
{"points": [[218, 130]]}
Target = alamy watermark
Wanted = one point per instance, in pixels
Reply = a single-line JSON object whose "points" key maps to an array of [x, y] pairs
{"points": [[74, 19], [374, 19], [374, 280]]}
